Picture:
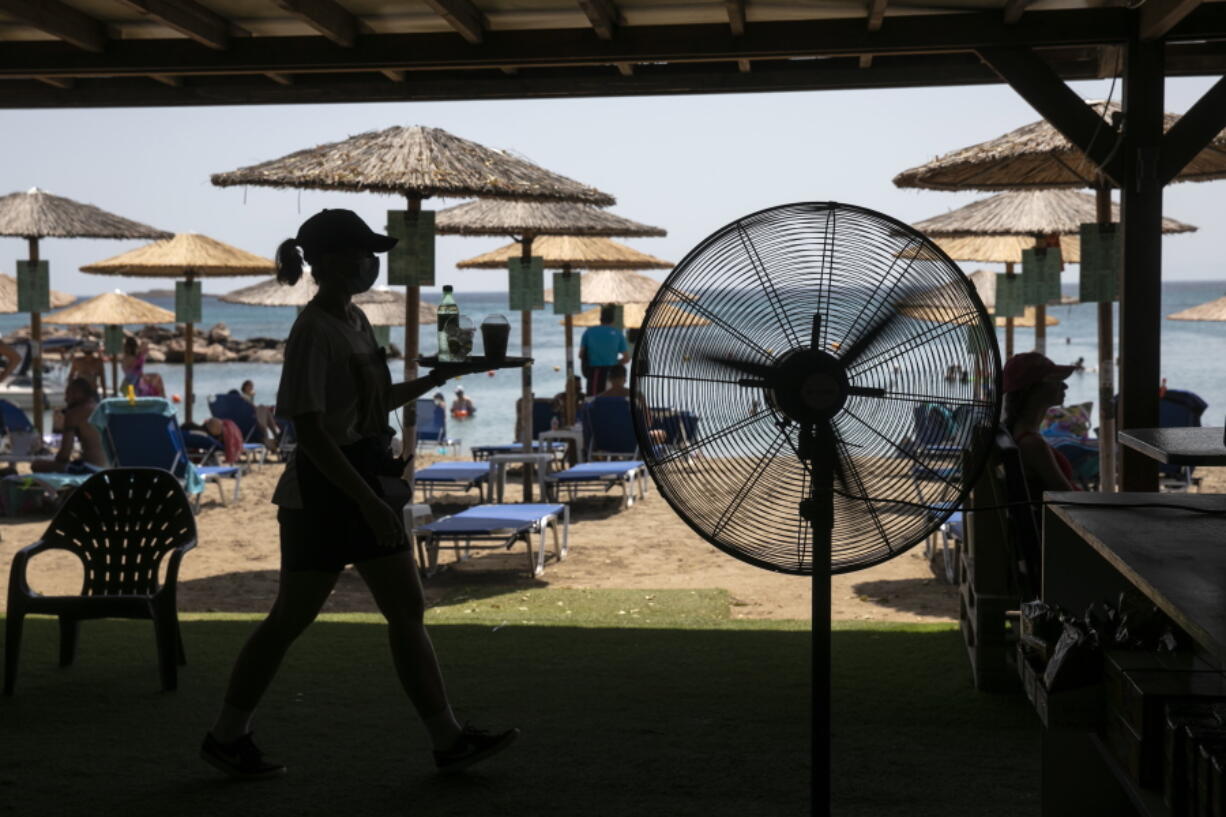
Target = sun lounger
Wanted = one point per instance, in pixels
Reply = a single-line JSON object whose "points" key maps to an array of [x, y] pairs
{"points": [[432, 427], [602, 477], [501, 526], [452, 477], [234, 407], [54, 486]]}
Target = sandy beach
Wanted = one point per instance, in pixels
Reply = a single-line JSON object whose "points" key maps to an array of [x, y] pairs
{"points": [[234, 567]]}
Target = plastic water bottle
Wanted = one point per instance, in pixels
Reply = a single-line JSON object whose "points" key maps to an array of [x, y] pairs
{"points": [[448, 312]]}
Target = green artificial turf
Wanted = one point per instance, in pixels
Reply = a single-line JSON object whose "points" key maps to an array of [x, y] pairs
{"points": [[632, 703]]}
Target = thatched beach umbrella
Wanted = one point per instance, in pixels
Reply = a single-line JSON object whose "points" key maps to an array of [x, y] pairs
{"points": [[1029, 218], [538, 228], [8, 296], [668, 315], [385, 307], [112, 309], [1038, 156], [188, 256], [609, 266], [1212, 311], [274, 293], [36, 214], [417, 163]]}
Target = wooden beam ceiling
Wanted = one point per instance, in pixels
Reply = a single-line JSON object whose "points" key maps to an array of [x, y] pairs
{"points": [[736, 16], [1158, 17], [59, 20], [1194, 130], [876, 14], [327, 17], [603, 16], [188, 18], [1014, 9], [463, 16]]}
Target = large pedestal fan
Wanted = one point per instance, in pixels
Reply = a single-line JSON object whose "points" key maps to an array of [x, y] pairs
{"points": [[827, 340]]}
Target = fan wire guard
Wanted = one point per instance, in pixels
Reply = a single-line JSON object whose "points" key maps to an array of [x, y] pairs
{"points": [[924, 368]]}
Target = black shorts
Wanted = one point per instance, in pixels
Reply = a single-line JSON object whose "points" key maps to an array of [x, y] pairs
{"points": [[312, 542]]}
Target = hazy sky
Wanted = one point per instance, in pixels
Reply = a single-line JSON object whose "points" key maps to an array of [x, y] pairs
{"points": [[689, 164]]}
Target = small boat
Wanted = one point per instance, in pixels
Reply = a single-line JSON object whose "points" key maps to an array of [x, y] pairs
{"points": [[57, 358]]}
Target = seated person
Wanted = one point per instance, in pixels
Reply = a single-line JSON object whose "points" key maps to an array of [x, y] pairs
{"points": [[1032, 385], [10, 359], [462, 406], [559, 399], [79, 403], [265, 420], [213, 434], [89, 366], [617, 388]]}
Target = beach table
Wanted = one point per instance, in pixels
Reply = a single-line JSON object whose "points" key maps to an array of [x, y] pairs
{"points": [[573, 436], [1178, 446], [498, 470]]}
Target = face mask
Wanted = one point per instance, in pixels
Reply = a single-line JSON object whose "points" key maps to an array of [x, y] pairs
{"points": [[368, 273]]}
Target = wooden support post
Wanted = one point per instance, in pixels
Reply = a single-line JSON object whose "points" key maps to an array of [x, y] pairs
{"points": [[1008, 321], [1106, 366], [36, 353], [1141, 286], [526, 412], [189, 396], [412, 333], [1040, 328]]}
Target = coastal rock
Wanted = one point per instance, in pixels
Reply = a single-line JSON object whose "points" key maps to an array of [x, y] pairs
{"points": [[266, 356], [156, 355], [219, 333], [216, 353], [176, 348]]}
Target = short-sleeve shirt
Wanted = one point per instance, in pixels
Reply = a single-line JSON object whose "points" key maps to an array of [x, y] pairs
{"points": [[604, 345], [333, 367]]}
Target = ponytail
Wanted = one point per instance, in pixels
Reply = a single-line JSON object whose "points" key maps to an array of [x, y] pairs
{"points": [[289, 262]]}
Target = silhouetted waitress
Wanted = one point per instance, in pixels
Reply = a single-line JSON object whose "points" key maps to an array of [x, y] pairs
{"points": [[332, 508]]}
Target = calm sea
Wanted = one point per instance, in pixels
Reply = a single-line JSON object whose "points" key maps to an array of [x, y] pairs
{"points": [[1193, 354]]}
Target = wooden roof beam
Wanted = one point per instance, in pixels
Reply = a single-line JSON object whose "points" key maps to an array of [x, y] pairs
{"points": [[189, 19], [1036, 82], [1193, 132], [744, 66], [463, 16], [736, 16], [1014, 9], [603, 15], [626, 69], [1158, 17], [326, 17], [58, 20], [63, 83], [280, 79], [876, 14], [394, 76], [169, 80]]}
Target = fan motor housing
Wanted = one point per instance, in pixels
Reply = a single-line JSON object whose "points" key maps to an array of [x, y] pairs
{"points": [[809, 385]]}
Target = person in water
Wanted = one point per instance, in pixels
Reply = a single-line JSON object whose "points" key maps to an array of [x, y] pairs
{"points": [[462, 406], [332, 506]]}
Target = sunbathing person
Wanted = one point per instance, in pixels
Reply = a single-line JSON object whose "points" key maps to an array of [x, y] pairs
{"points": [[617, 388], [1032, 385], [79, 403]]}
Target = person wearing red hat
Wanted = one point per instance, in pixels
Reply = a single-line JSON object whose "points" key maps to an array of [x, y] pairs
{"points": [[335, 506], [1032, 385]]}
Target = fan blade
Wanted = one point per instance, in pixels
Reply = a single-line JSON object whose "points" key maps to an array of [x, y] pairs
{"points": [[862, 343], [748, 367], [750, 383]]}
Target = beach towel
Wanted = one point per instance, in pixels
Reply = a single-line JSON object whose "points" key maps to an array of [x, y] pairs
{"points": [[231, 441]]}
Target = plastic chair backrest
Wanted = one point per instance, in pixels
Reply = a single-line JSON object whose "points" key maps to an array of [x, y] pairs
{"points": [[1179, 409], [121, 523], [934, 424], [431, 421], [147, 441], [235, 408], [13, 418], [1024, 528], [542, 416], [611, 426]]}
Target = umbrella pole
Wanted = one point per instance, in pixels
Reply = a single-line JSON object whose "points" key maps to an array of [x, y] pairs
{"points": [[412, 326], [1008, 321], [525, 414], [36, 353], [570, 359], [188, 356], [1106, 366], [114, 372], [1040, 329]]}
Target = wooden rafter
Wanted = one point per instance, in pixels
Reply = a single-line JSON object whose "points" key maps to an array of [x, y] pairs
{"points": [[280, 79], [63, 83], [876, 14], [1036, 82], [744, 66], [603, 16], [626, 69], [463, 16], [188, 18], [1158, 17], [327, 17], [1194, 130], [58, 20], [394, 76], [736, 16], [1014, 9], [167, 80]]}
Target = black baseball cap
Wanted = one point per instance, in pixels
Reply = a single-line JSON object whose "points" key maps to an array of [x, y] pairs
{"points": [[331, 230]]}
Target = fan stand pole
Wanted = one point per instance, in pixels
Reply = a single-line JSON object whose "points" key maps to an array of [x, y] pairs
{"points": [[819, 511]]}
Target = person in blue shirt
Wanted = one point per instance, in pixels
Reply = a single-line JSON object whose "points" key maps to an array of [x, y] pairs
{"points": [[600, 349]]}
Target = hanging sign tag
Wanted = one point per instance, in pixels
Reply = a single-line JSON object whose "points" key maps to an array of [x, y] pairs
{"points": [[112, 339], [527, 284], [1041, 275], [566, 293], [619, 316], [187, 302], [411, 261], [1100, 262], [1009, 300], [383, 335], [33, 286]]}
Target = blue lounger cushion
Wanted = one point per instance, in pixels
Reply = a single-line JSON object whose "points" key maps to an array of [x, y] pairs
{"points": [[591, 471], [492, 518], [453, 472], [515, 448]]}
